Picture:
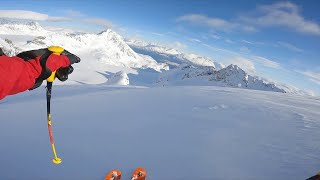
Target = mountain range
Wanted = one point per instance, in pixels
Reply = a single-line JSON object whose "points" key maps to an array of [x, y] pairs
{"points": [[109, 58]]}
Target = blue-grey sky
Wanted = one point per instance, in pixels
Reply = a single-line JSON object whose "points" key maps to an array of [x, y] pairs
{"points": [[279, 40]]}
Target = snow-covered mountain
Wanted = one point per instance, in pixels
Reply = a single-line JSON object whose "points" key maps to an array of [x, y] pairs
{"points": [[21, 28], [231, 76], [170, 56], [107, 47], [9, 48], [145, 63]]}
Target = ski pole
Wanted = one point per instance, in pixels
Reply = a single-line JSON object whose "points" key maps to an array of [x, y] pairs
{"points": [[55, 50]]}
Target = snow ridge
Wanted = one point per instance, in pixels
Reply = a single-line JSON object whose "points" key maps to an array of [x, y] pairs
{"points": [[231, 76], [170, 56]]}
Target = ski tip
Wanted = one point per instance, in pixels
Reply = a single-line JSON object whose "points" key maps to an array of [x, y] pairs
{"points": [[113, 175], [139, 174]]}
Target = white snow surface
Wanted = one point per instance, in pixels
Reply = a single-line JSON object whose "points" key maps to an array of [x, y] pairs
{"points": [[189, 132]]}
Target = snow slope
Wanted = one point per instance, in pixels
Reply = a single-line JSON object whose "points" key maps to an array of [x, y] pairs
{"points": [[177, 132]]}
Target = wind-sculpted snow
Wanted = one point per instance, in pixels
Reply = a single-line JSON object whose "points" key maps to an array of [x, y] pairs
{"points": [[184, 132]]}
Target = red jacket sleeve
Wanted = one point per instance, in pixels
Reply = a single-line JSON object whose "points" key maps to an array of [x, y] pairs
{"points": [[17, 75]]}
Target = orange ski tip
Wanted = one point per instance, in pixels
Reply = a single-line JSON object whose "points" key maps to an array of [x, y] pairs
{"points": [[139, 174], [113, 175]]}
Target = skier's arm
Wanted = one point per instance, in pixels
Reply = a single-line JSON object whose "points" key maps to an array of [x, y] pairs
{"points": [[18, 75]]}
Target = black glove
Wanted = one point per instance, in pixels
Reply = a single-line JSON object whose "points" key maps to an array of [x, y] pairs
{"points": [[61, 73], [1, 52], [72, 58]]}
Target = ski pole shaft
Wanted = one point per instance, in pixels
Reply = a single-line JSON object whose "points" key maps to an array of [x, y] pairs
{"points": [[56, 159]]}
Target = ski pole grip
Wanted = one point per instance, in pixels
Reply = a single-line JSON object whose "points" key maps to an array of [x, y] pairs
{"points": [[55, 50]]}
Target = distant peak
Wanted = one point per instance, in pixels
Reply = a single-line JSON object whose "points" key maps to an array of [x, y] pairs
{"points": [[233, 66], [22, 22], [5, 21], [33, 23], [108, 32], [105, 31]]}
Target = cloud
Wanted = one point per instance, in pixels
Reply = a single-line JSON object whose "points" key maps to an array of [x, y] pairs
{"points": [[279, 14], [163, 34], [194, 40], [210, 35], [229, 41], [179, 45], [248, 64], [206, 21], [74, 13], [289, 46], [244, 63], [158, 34], [35, 16], [310, 92], [98, 21], [214, 36], [57, 19], [315, 81], [314, 76], [243, 56], [221, 50], [30, 15], [248, 42], [213, 22], [282, 14], [267, 62], [244, 49]]}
